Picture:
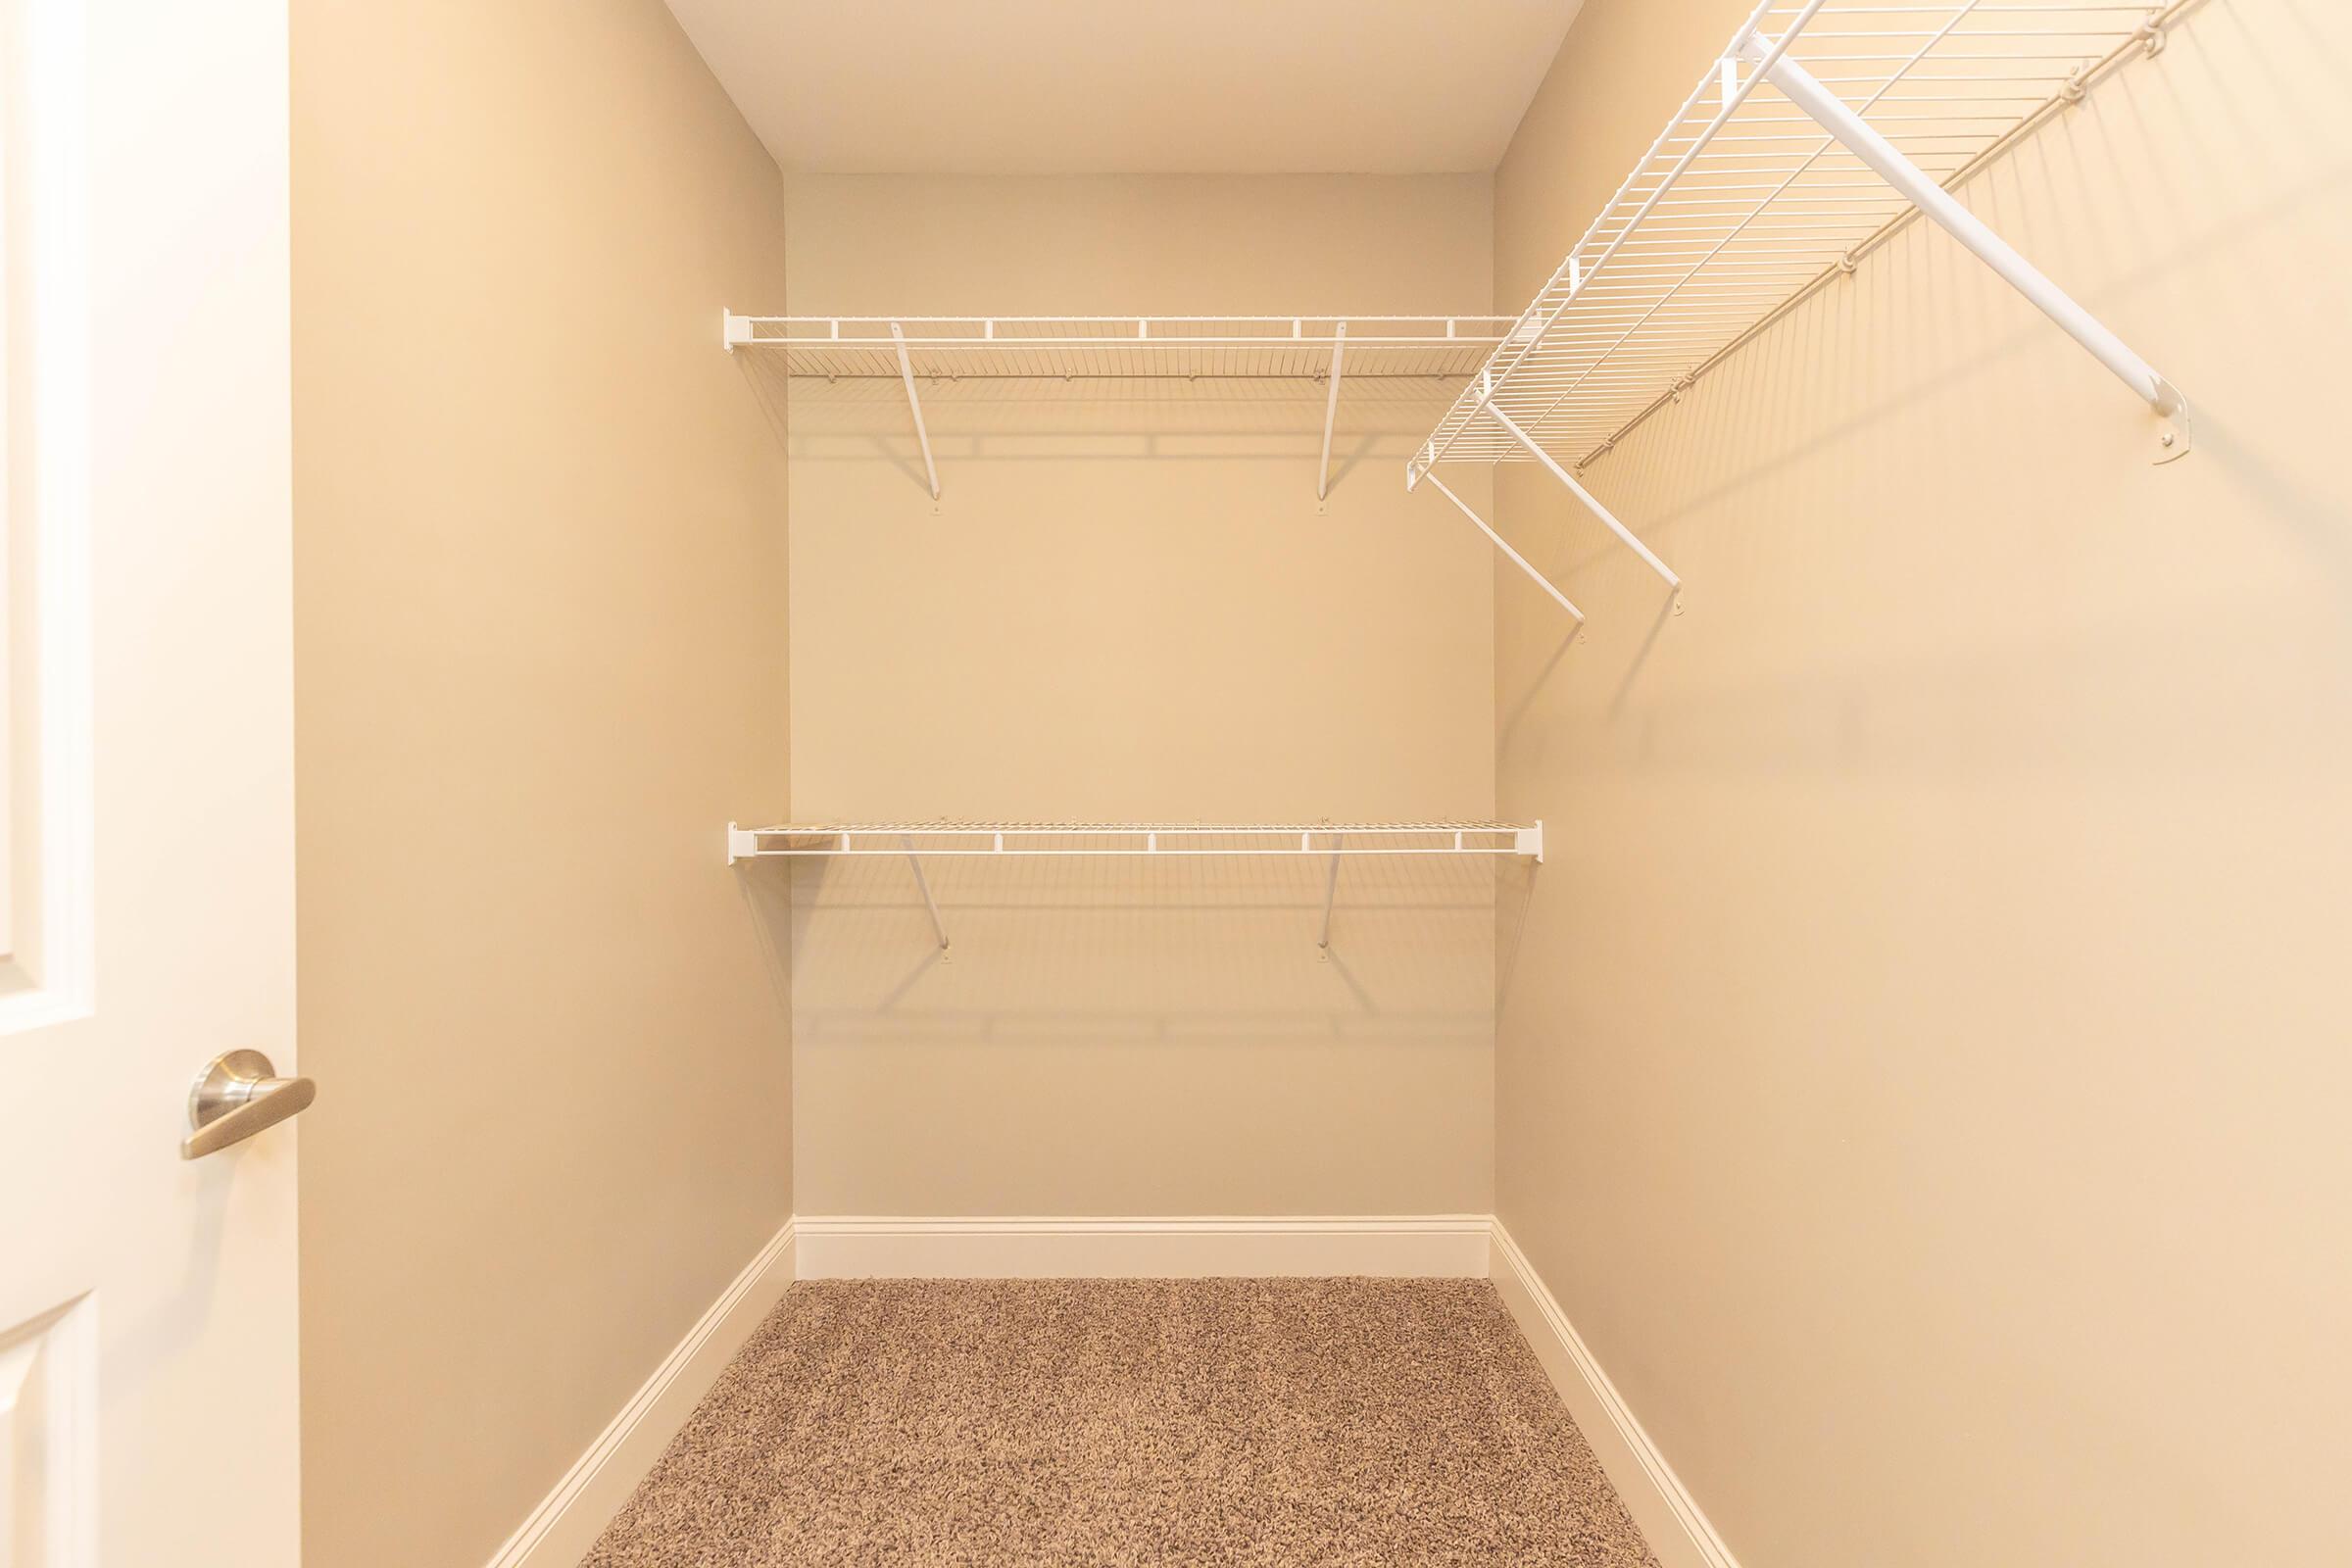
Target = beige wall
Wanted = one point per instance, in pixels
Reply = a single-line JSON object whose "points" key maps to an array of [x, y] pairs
{"points": [[1922, 1062], [1128, 605], [540, 601]]}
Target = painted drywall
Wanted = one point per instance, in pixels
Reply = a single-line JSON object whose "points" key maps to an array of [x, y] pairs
{"points": [[1921, 1059], [1128, 605], [540, 663]]}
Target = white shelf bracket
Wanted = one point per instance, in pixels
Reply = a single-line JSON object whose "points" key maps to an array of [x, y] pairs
{"points": [[1834, 116], [1591, 500], [915, 406], [1330, 889], [742, 844], [1530, 841], [733, 329], [922, 882], [1503, 545], [1331, 407]]}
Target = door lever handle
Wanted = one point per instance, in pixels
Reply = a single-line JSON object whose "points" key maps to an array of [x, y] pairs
{"points": [[237, 1095]]}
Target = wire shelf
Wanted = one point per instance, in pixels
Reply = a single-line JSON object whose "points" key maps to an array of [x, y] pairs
{"points": [[1158, 347], [1746, 203], [915, 351], [1329, 842], [1010, 839]]}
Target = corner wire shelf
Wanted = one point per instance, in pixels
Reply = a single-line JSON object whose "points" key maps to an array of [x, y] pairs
{"points": [[1821, 129], [1322, 349], [1336, 841]]}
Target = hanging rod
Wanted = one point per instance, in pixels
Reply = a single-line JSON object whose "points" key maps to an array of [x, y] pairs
{"points": [[1822, 128]]}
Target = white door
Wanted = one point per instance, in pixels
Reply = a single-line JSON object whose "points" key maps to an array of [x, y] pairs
{"points": [[147, 1302]]}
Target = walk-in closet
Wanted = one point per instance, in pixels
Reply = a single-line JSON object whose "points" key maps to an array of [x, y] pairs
{"points": [[1345, 782]]}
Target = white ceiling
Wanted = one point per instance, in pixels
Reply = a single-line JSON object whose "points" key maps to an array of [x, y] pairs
{"points": [[1130, 86]]}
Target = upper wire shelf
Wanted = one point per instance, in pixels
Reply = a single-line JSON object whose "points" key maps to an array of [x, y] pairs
{"points": [[1072, 347], [1321, 348], [1771, 180]]}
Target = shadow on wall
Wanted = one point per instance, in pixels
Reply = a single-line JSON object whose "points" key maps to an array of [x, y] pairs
{"points": [[768, 900], [1945, 914], [1128, 949], [770, 389], [1045, 419]]}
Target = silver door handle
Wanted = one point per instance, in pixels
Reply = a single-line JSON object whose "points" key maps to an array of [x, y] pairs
{"points": [[236, 1097]]}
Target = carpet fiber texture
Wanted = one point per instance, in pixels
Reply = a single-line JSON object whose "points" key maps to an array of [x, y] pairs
{"points": [[1117, 1422]]}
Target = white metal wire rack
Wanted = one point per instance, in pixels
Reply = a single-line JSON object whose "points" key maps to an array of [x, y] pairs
{"points": [[1822, 128], [1334, 841], [1328, 350], [1278, 347]]}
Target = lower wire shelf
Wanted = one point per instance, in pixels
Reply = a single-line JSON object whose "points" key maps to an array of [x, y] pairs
{"points": [[918, 841], [1133, 838]]}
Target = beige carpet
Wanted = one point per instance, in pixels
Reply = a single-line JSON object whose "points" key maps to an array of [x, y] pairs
{"points": [[1190, 1422]]}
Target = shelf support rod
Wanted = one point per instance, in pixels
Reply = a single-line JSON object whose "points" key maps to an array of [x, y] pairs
{"points": [[1331, 888], [922, 436], [924, 883], [1591, 500], [1504, 545], [1331, 406], [1805, 90]]}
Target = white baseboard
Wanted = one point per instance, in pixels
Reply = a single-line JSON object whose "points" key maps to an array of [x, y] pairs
{"points": [[568, 1521], [1677, 1530], [1414, 1246]]}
